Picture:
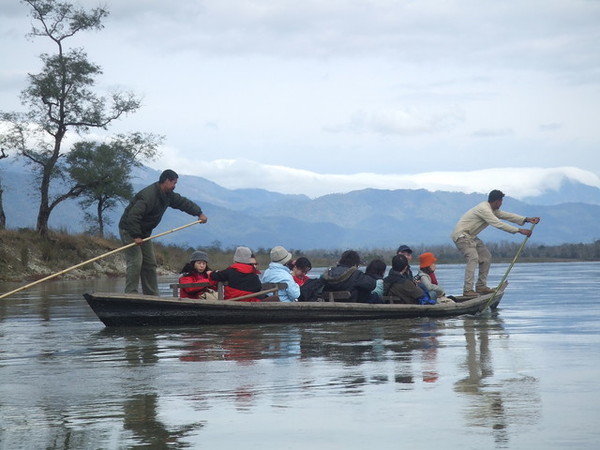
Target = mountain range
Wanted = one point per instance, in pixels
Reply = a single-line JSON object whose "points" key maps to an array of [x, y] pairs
{"points": [[369, 218]]}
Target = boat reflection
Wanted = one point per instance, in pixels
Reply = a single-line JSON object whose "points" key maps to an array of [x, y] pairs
{"points": [[400, 345]]}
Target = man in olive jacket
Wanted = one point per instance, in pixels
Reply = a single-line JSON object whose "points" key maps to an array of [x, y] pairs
{"points": [[141, 216]]}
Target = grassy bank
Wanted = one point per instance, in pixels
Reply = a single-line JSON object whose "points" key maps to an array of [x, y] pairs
{"points": [[25, 256]]}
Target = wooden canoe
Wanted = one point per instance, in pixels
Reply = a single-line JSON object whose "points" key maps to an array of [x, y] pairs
{"points": [[140, 310]]}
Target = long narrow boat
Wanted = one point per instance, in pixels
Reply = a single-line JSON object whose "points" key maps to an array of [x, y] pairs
{"points": [[139, 310]]}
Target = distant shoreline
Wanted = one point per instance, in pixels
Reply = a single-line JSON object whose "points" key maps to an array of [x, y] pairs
{"points": [[25, 256]]}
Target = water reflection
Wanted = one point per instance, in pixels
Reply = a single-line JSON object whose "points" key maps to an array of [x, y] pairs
{"points": [[68, 382], [370, 353], [244, 345], [140, 417], [494, 403]]}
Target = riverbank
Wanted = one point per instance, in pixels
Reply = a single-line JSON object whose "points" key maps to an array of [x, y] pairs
{"points": [[25, 256]]}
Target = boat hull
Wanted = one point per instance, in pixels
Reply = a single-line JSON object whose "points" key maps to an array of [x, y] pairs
{"points": [[142, 310]]}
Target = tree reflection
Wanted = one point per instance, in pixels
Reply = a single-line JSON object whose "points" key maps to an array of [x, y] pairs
{"points": [[140, 417], [140, 410]]}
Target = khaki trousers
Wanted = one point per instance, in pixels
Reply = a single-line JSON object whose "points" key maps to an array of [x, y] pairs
{"points": [[141, 264], [476, 254]]}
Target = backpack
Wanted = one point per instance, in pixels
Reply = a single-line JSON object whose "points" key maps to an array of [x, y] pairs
{"points": [[312, 290], [426, 299]]}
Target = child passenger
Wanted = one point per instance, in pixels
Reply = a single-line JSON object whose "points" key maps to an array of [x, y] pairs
{"points": [[241, 276], [428, 281], [196, 271], [426, 276]]}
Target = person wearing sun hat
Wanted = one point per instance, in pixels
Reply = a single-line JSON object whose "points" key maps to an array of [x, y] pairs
{"points": [[278, 272], [426, 275]]}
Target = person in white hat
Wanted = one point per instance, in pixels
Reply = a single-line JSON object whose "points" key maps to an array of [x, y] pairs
{"points": [[241, 276], [278, 272]]}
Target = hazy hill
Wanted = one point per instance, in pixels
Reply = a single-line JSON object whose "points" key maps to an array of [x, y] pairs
{"points": [[362, 219]]}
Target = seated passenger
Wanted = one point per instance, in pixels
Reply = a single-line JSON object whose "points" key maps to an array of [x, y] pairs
{"points": [[196, 271], [346, 277], [254, 263], [426, 276], [397, 285], [376, 270], [240, 276], [406, 251], [300, 267], [278, 272]]}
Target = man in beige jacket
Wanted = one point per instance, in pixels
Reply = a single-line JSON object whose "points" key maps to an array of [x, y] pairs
{"points": [[473, 249]]}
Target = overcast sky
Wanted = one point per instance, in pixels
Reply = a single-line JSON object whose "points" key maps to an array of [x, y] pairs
{"points": [[319, 96]]}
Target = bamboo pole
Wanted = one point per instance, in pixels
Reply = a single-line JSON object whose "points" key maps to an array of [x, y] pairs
{"points": [[252, 294], [104, 255], [489, 302]]}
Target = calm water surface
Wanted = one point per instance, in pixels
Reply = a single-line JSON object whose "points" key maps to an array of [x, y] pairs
{"points": [[526, 377]]}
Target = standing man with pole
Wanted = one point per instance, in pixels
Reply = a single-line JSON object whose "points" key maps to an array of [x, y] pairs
{"points": [[141, 216], [473, 249]]}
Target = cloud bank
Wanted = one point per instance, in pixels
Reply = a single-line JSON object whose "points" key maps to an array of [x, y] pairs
{"points": [[515, 182]]}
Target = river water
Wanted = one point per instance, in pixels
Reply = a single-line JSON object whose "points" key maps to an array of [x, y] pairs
{"points": [[526, 377]]}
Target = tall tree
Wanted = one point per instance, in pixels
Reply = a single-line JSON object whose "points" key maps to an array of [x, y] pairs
{"points": [[106, 170], [59, 99]]}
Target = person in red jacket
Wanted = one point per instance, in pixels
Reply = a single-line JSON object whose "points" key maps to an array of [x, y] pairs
{"points": [[196, 271], [241, 276], [300, 267]]}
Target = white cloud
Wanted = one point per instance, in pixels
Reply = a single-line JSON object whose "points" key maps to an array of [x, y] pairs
{"points": [[242, 173], [407, 121], [492, 133]]}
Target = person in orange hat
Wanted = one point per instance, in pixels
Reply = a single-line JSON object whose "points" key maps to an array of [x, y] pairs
{"points": [[426, 276]]}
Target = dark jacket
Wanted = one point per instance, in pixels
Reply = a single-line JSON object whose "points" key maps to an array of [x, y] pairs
{"points": [[241, 280], [147, 207], [342, 278], [397, 285]]}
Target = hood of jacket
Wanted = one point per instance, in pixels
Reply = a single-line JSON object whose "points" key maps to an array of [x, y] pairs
{"points": [[338, 274], [242, 268]]}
